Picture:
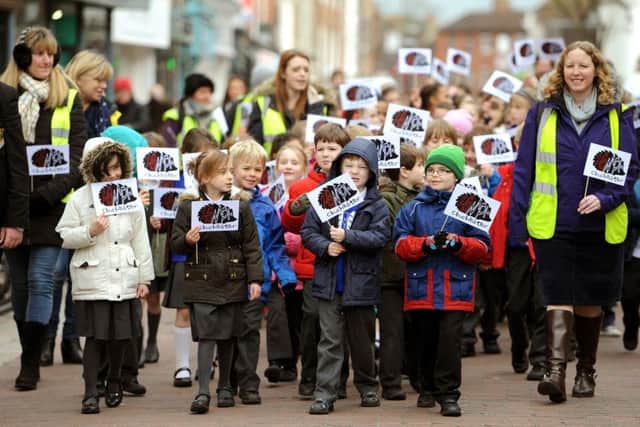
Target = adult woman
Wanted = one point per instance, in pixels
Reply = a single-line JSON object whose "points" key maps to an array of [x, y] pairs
{"points": [[51, 113], [287, 98], [577, 225]]}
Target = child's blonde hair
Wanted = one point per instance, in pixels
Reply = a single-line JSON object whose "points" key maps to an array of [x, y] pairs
{"points": [[248, 150], [440, 128], [198, 139], [300, 154], [210, 163], [154, 139]]}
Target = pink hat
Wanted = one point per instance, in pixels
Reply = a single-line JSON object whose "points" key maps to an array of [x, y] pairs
{"points": [[461, 120]]}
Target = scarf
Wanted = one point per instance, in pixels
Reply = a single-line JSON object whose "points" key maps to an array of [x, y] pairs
{"points": [[35, 93], [580, 114], [202, 113], [98, 117]]}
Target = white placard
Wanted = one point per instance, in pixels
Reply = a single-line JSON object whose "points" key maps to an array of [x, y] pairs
{"points": [[473, 183], [360, 122], [116, 197], [190, 181], [524, 53], [388, 147], [158, 163], [277, 193], [407, 122], [166, 201], [458, 61], [48, 159], [314, 121], [607, 164], [635, 109], [414, 61], [440, 72], [218, 116], [223, 215], [472, 208], [334, 197], [551, 48], [494, 148], [502, 85], [515, 68], [270, 169], [354, 96]]}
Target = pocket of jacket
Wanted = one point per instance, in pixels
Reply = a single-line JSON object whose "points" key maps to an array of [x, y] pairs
{"points": [[196, 272], [84, 263], [417, 285], [237, 269], [461, 284]]}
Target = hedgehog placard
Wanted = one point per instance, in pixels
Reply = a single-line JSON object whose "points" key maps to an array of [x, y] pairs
{"points": [[356, 95], [472, 207], [388, 147], [524, 53], [166, 201], [414, 61], [502, 85], [189, 180], [116, 197], [551, 48], [158, 163], [334, 197], [407, 122], [48, 159], [223, 215], [458, 61], [315, 121], [494, 148], [607, 164], [277, 192]]}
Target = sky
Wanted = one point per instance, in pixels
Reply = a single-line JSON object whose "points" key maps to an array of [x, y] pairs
{"points": [[447, 14]]}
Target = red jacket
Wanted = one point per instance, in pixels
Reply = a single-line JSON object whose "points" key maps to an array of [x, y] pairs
{"points": [[293, 223]]}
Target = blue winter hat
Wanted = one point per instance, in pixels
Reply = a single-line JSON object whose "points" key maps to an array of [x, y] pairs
{"points": [[131, 138]]}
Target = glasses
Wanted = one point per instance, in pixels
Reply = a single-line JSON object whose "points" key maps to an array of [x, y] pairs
{"points": [[438, 171]]}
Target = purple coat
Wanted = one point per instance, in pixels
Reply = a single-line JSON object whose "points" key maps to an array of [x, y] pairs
{"points": [[571, 156]]}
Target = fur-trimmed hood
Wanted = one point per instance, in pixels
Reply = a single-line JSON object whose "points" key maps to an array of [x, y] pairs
{"points": [[103, 153], [315, 93]]}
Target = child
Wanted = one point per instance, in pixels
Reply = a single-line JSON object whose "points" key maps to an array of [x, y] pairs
{"points": [[282, 140], [439, 132], [401, 186], [439, 287], [519, 106], [248, 159], [218, 267], [328, 142], [348, 254], [195, 141], [111, 267]]}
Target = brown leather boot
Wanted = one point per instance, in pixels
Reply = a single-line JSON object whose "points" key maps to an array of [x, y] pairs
{"points": [[559, 326], [587, 335]]}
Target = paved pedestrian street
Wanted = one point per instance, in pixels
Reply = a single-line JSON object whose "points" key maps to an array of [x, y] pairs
{"points": [[492, 395]]}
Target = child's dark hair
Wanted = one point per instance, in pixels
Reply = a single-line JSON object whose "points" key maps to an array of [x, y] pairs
{"points": [[280, 141], [100, 166], [409, 156], [154, 139], [331, 132], [475, 131], [210, 163], [198, 139]]}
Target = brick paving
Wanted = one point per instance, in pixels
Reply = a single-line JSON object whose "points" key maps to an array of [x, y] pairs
{"points": [[492, 395]]}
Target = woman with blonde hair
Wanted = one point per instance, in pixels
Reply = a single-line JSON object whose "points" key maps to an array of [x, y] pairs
{"points": [[577, 225], [51, 115]]}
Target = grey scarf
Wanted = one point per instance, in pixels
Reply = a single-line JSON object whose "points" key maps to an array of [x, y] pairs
{"points": [[200, 112], [580, 114]]}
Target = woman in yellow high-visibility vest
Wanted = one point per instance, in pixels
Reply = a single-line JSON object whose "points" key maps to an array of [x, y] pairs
{"points": [[280, 102], [51, 115], [577, 225]]}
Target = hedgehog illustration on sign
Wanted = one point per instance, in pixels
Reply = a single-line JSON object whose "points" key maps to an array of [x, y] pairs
{"points": [[335, 194], [440, 70], [169, 200], [551, 48], [494, 146], [359, 93], [116, 195], [416, 59], [213, 213], [503, 84], [276, 193], [386, 150], [157, 161], [48, 158], [608, 162], [407, 120], [460, 60], [317, 125], [526, 50], [473, 205]]}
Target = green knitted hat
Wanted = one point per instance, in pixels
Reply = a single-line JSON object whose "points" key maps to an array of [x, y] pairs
{"points": [[450, 156]]}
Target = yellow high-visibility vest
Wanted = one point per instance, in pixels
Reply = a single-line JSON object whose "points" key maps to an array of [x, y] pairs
{"points": [[189, 123], [61, 126], [543, 209]]}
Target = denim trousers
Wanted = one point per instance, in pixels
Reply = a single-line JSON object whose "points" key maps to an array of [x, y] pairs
{"points": [[59, 276]]}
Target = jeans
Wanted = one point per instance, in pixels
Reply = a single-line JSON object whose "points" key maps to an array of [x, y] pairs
{"points": [[59, 276], [31, 271]]}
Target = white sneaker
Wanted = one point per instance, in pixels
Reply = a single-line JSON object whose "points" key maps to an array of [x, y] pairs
{"points": [[611, 331]]}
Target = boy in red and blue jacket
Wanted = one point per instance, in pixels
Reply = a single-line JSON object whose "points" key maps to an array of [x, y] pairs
{"points": [[440, 277]]}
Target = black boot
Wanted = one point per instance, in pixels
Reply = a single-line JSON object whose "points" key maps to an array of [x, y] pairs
{"points": [[587, 335], [71, 351], [33, 335], [559, 327], [46, 353]]}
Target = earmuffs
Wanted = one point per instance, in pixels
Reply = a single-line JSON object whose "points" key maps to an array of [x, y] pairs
{"points": [[22, 53]]}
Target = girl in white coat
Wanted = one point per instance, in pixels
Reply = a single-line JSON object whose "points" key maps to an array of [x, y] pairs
{"points": [[111, 266]]}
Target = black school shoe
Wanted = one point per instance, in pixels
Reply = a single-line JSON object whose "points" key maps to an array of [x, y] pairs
{"points": [[394, 394], [321, 407], [426, 400], [250, 398], [225, 398], [450, 408], [536, 373], [369, 400], [200, 405], [273, 372], [113, 395], [305, 389], [90, 405], [132, 386], [182, 382]]}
